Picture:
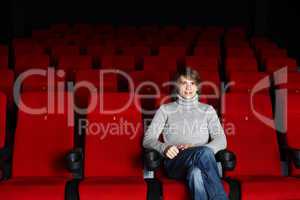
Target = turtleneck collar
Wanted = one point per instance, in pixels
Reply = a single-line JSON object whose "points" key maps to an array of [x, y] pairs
{"points": [[187, 102]]}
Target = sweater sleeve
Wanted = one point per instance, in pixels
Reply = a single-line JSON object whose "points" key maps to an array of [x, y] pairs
{"points": [[218, 139], [151, 138]]}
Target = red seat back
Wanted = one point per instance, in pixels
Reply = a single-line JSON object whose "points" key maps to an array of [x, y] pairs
{"points": [[253, 142], [43, 140], [109, 83], [125, 63], [111, 150], [3, 119]]}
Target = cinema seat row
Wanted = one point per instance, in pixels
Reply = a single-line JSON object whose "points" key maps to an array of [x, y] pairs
{"points": [[110, 171], [87, 165], [257, 166]]}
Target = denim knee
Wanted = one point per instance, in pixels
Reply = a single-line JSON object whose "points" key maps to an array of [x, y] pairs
{"points": [[194, 175], [204, 155]]}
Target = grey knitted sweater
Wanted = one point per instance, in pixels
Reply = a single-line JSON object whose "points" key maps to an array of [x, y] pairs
{"points": [[185, 121]]}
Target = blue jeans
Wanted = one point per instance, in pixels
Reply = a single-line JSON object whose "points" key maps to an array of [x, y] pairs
{"points": [[197, 165]]}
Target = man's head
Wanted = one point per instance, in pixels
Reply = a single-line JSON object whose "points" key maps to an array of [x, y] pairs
{"points": [[187, 83]]}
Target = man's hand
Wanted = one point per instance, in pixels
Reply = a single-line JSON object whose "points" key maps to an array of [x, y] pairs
{"points": [[171, 151], [182, 147]]}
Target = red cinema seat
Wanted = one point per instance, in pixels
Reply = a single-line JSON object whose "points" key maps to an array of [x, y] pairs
{"points": [[72, 63], [26, 46], [174, 51], [3, 61], [210, 87], [271, 51], [160, 63], [3, 50], [3, 109], [147, 82], [6, 85], [51, 81], [114, 170], [98, 50], [241, 81], [292, 130], [202, 63], [178, 190], [258, 160], [174, 189], [239, 52], [65, 50], [273, 64], [124, 63], [138, 51], [211, 51], [210, 82], [38, 166], [30, 61], [96, 81], [241, 64], [3, 137], [289, 81]]}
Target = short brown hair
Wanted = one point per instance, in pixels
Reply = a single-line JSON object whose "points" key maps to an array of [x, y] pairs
{"points": [[188, 73]]}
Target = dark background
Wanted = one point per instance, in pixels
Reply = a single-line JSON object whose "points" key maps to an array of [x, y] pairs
{"points": [[275, 18]]}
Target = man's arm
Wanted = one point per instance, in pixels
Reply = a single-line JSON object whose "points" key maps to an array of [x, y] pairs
{"points": [[218, 139], [151, 138]]}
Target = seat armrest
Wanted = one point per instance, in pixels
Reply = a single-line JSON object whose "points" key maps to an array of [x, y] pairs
{"points": [[74, 162], [152, 159], [227, 159], [295, 156]]}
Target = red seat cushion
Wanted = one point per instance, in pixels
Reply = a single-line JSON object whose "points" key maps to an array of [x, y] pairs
{"points": [[270, 188], [178, 190], [126, 188], [33, 189]]}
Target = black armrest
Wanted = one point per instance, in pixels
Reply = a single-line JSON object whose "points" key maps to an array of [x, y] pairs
{"points": [[74, 162], [5, 163], [152, 159], [227, 159], [295, 155]]}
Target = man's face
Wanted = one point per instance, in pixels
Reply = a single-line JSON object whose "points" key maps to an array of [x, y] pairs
{"points": [[187, 87]]}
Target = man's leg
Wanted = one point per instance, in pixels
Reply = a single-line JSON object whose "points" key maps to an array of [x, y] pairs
{"points": [[204, 159], [196, 184], [182, 167]]}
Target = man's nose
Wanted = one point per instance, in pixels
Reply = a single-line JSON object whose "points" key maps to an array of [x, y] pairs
{"points": [[188, 86]]}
